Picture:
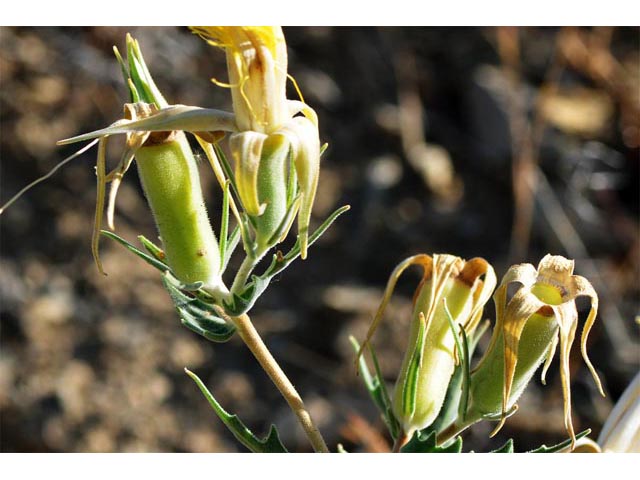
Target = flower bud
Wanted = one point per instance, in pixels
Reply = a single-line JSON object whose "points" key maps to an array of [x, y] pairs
{"points": [[526, 333], [450, 286]]}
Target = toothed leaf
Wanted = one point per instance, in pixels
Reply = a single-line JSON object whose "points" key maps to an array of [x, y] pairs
{"points": [[506, 448], [424, 441], [561, 445], [269, 444], [197, 315]]}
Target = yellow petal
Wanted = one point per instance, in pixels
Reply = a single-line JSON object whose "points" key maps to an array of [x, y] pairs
{"points": [[246, 150], [423, 260], [518, 311], [567, 317], [524, 274], [582, 287], [305, 145], [482, 289], [555, 270]]}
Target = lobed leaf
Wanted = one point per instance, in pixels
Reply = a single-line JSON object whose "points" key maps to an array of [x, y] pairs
{"points": [[561, 445], [424, 441], [269, 444]]}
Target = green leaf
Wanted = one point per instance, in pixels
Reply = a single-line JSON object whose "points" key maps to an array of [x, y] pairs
{"points": [[285, 224], [506, 448], [197, 315], [451, 405], [270, 444], [295, 251], [163, 267], [424, 441], [410, 386], [243, 301], [140, 75], [228, 171], [224, 223], [561, 445], [232, 243], [152, 248], [377, 388]]}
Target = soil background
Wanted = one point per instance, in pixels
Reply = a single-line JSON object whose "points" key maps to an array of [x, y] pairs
{"points": [[427, 129]]}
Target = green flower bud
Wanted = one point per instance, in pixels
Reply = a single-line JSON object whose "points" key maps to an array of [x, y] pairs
{"points": [[526, 333], [450, 286]]}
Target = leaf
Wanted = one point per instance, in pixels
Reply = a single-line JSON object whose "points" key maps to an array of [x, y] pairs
{"points": [[424, 441], [232, 243], [224, 223], [197, 315], [410, 386], [506, 448], [270, 444], [561, 445], [451, 405], [377, 389], [155, 251], [242, 302], [163, 267]]}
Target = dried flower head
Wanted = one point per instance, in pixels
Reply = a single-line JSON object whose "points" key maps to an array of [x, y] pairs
{"points": [[527, 331]]}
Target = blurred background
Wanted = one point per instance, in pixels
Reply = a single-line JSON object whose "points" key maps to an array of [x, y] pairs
{"points": [[501, 143]]}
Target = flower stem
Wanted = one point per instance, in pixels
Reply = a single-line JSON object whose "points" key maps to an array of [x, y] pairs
{"points": [[243, 273], [400, 442], [452, 431], [253, 340]]}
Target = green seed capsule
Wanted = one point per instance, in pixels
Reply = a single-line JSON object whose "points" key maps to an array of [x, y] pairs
{"points": [[272, 188], [171, 182], [487, 381]]}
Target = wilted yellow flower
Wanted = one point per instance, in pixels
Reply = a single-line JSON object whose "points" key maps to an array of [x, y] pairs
{"points": [[527, 330], [449, 286]]}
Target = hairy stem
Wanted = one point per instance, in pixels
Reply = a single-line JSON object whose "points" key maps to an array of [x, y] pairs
{"points": [[452, 431], [243, 273], [253, 340]]}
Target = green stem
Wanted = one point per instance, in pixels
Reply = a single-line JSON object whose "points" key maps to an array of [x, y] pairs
{"points": [[247, 266], [453, 431]]}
